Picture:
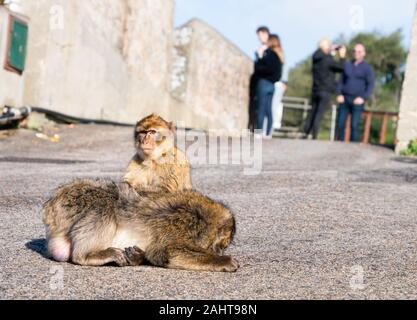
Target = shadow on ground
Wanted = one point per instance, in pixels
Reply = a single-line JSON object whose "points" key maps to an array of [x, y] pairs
{"points": [[38, 246], [410, 160], [41, 160], [390, 176]]}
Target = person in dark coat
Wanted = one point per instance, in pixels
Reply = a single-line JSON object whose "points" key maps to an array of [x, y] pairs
{"points": [[269, 71], [263, 36], [325, 68]]}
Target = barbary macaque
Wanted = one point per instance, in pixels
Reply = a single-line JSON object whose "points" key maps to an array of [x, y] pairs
{"points": [[96, 222], [158, 165]]}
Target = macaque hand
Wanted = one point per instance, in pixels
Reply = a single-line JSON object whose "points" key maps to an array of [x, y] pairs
{"points": [[340, 99], [359, 101]]}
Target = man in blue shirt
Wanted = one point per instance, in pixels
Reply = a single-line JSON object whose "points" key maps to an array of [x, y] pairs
{"points": [[355, 86]]}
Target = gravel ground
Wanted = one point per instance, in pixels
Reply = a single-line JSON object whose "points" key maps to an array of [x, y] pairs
{"points": [[321, 221]]}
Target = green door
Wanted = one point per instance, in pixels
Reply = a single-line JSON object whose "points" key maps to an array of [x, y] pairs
{"points": [[18, 45]]}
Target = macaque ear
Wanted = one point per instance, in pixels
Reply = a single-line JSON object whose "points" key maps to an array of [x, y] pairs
{"points": [[172, 127], [139, 126], [226, 225], [136, 132]]}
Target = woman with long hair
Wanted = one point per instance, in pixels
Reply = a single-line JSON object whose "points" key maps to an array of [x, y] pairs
{"points": [[268, 69]]}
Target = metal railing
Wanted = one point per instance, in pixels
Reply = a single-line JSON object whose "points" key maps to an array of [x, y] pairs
{"points": [[303, 105], [294, 103]]}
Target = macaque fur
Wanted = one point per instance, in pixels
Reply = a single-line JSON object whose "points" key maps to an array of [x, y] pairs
{"points": [[95, 222], [158, 164]]}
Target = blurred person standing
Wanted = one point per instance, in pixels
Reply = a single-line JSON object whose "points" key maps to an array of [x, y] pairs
{"points": [[268, 69], [263, 36], [355, 86], [277, 105], [325, 68]]}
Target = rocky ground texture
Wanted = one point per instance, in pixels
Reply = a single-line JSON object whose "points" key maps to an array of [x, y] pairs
{"points": [[321, 221]]}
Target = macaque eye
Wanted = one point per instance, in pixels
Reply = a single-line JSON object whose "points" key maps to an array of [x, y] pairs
{"points": [[144, 133], [158, 136]]}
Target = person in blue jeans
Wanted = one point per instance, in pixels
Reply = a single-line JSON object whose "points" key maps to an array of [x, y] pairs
{"points": [[268, 70], [265, 92], [355, 86]]}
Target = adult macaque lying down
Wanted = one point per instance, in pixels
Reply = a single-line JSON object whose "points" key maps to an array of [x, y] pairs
{"points": [[93, 223]]}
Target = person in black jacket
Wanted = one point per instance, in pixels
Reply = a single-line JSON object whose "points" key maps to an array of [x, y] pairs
{"points": [[268, 70], [325, 68], [263, 34]]}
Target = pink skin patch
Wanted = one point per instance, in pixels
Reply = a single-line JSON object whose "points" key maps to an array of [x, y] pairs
{"points": [[59, 248]]}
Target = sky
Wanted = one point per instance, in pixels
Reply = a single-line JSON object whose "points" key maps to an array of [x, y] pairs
{"points": [[299, 23]]}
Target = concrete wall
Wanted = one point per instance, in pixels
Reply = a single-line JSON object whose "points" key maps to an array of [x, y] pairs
{"points": [[407, 126], [121, 60], [210, 78], [77, 69], [107, 60], [11, 84], [148, 55]]}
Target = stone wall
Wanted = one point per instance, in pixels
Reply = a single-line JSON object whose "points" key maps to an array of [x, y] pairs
{"points": [[210, 78], [120, 60], [106, 59], [407, 126], [150, 38]]}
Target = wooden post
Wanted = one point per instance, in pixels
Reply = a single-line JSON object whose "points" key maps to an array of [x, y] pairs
{"points": [[383, 133], [347, 130], [395, 127], [367, 129]]}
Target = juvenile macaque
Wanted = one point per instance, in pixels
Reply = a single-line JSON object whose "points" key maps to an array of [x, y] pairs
{"points": [[93, 223], [158, 165]]}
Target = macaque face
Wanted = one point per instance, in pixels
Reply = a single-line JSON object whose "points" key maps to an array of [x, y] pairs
{"points": [[153, 142], [149, 140], [154, 137]]}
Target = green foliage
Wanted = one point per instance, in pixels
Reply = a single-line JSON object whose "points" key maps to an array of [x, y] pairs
{"points": [[411, 150], [300, 80], [376, 129]]}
